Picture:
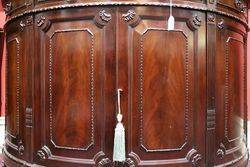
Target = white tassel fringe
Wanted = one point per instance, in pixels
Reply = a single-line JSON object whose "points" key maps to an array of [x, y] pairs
{"points": [[119, 141]]}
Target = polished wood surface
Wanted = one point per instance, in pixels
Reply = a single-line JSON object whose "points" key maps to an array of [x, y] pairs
{"points": [[184, 91]]}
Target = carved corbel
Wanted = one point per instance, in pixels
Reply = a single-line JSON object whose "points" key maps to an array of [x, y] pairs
{"points": [[240, 6], [131, 18], [132, 160], [211, 18], [102, 18], [194, 157], [8, 7], [44, 153], [221, 24], [105, 162], [194, 23], [26, 22], [43, 23], [129, 162], [101, 160], [20, 148], [221, 151]]}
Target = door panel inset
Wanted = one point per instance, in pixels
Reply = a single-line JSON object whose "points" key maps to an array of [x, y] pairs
{"points": [[72, 84], [161, 90]]}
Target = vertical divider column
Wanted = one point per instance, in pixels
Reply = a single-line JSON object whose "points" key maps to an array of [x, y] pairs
{"points": [[211, 111]]}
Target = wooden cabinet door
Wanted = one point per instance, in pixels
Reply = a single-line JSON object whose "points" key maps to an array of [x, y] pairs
{"points": [[231, 105], [163, 75], [74, 51], [18, 88]]}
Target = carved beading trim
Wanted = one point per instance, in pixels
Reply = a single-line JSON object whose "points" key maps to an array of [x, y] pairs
{"points": [[70, 1], [18, 89], [140, 92], [194, 157], [185, 6], [228, 89], [91, 75]]}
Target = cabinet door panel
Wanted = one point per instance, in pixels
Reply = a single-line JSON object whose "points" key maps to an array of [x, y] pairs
{"points": [[230, 93], [163, 101], [234, 77], [161, 90], [16, 91], [13, 107], [71, 96], [72, 48]]}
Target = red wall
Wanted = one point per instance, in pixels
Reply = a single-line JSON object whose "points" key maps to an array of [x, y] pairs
{"points": [[2, 20], [248, 70]]}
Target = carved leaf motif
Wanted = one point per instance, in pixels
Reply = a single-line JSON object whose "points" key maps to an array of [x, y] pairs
{"points": [[211, 18], [132, 18], [102, 18], [43, 23], [105, 162], [26, 22], [40, 21], [194, 157], [240, 5], [221, 151], [8, 7], [130, 15], [44, 153], [20, 148], [130, 162], [221, 24], [194, 23], [105, 16]]}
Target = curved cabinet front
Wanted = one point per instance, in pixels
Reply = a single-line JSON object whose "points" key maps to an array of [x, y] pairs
{"points": [[184, 90]]}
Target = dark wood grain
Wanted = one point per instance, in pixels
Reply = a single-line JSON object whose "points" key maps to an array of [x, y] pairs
{"points": [[184, 91]]}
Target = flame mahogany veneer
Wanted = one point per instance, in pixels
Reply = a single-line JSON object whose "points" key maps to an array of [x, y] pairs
{"points": [[184, 91]]}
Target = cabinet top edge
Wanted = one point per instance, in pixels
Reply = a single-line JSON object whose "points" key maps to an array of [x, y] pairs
{"points": [[194, 6]]}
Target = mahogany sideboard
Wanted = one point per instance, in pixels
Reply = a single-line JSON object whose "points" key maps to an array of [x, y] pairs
{"points": [[184, 90]]}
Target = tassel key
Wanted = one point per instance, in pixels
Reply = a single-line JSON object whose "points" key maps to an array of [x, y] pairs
{"points": [[119, 154]]}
